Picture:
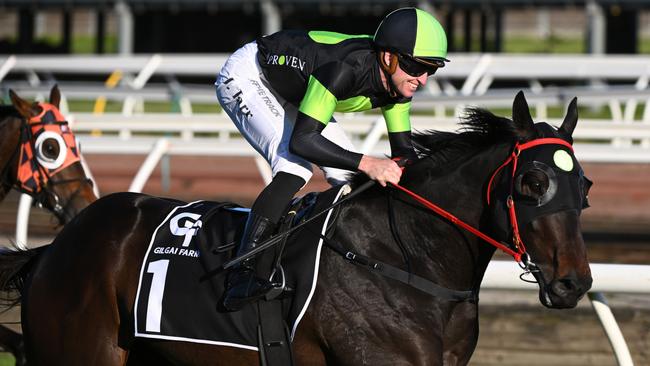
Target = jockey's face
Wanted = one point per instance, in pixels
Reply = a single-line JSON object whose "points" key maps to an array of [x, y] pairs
{"points": [[406, 84]]}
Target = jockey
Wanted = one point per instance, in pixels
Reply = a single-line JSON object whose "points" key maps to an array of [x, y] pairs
{"points": [[281, 92]]}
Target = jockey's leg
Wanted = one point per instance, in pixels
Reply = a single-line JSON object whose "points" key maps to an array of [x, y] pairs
{"points": [[248, 281], [266, 121]]}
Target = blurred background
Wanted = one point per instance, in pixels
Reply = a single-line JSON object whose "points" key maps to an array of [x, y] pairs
{"points": [[137, 75], [196, 26]]}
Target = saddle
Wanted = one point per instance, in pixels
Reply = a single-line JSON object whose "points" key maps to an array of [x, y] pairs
{"points": [[182, 277]]}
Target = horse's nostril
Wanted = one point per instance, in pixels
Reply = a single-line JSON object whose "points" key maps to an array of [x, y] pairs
{"points": [[565, 286]]}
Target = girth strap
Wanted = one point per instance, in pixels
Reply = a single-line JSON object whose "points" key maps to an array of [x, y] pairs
{"points": [[397, 274], [273, 337]]}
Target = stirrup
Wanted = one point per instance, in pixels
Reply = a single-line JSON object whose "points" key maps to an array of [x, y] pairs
{"points": [[277, 287]]}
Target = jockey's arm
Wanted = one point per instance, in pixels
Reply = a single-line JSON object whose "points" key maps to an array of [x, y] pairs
{"points": [[308, 142], [398, 123], [316, 110]]}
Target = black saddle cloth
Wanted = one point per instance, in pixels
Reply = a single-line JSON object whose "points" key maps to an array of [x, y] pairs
{"points": [[174, 300]]}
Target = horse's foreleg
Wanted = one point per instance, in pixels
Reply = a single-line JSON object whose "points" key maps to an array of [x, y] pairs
{"points": [[461, 334], [306, 346]]}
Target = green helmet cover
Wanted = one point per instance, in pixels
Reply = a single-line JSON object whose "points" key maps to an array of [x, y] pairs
{"points": [[413, 32]]}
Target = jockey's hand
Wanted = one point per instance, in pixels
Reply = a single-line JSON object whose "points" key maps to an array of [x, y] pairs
{"points": [[382, 170]]}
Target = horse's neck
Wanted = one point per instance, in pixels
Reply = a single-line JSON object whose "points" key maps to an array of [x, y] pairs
{"points": [[436, 249], [10, 136], [455, 257]]}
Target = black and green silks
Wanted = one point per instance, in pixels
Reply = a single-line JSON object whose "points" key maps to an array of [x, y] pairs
{"points": [[324, 72]]}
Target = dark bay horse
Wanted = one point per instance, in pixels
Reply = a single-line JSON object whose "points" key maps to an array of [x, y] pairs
{"points": [[78, 293], [45, 165]]}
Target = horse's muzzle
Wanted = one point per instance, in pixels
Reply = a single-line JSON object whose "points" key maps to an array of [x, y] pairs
{"points": [[564, 292]]}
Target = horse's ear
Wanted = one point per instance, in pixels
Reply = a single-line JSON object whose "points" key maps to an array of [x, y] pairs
{"points": [[521, 117], [55, 96], [25, 108], [571, 119]]}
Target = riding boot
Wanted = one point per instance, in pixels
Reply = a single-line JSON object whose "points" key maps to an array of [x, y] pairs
{"points": [[243, 284]]}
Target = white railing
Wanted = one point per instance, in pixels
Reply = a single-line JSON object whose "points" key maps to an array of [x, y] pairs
{"points": [[478, 71], [22, 220], [469, 76], [215, 134]]}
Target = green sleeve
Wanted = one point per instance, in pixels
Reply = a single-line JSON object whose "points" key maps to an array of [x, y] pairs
{"points": [[318, 103], [397, 117]]}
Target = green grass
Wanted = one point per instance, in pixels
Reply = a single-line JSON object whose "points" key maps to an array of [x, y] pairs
{"points": [[82, 44], [515, 44], [644, 46], [550, 45], [86, 44]]}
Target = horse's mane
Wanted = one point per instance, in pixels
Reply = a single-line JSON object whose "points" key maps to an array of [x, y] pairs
{"points": [[8, 111], [479, 129]]}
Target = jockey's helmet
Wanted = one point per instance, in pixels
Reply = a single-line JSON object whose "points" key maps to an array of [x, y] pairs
{"points": [[413, 33]]}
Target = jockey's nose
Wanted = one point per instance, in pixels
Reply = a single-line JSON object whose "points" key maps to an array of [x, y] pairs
{"points": [[422, 79]]}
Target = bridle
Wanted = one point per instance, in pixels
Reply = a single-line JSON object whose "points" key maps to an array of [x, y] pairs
{"points": [[516, 247], [36, 175]]}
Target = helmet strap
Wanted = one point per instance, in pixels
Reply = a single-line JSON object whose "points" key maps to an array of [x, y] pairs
{"points": [[388, 70]]}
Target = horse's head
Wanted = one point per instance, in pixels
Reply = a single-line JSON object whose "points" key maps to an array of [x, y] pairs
{"points": [[546, 186], [49, 162]]}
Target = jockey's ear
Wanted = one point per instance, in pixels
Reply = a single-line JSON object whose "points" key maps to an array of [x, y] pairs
{"points": [[55, 96], [25, 108], [571, 119], [522, 119]]}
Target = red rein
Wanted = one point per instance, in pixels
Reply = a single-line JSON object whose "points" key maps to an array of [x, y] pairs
{"points": [[514, 156]]}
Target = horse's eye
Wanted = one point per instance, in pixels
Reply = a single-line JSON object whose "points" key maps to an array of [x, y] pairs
{"points": [[50, 149], [534, 183]]}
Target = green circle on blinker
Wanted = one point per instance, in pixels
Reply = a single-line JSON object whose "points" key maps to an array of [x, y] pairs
{"points": [[563, 160]]}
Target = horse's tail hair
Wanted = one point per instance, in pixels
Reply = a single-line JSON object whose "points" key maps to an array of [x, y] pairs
{"points": [[15, 265]]}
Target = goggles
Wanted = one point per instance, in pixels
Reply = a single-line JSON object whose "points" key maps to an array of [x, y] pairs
{"points": [[416, 68]]}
